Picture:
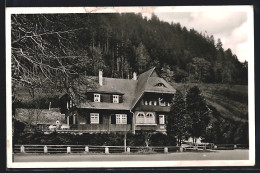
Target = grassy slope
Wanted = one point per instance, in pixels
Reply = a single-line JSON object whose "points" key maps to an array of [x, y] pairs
{"points": [[229, 100]]}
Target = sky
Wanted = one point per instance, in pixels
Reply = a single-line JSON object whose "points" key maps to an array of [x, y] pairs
{"points": [[230, 24], [233, 25]]}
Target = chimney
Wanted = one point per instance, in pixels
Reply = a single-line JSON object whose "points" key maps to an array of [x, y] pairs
{"points": [[134, 76], [100, 78]]}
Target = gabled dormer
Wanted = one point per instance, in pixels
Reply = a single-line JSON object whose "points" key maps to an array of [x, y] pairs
{"points": [[105, 97]]}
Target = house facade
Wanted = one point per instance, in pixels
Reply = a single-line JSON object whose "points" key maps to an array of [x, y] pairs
{"points": [[121, 105]]}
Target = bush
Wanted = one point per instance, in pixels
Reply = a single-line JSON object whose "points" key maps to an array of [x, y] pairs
{"points": [[159, 139], [113, 139]]}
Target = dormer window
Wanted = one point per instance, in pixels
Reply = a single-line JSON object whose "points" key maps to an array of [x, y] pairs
{"points": [[115, 98], [96, 97], [160, 85]]}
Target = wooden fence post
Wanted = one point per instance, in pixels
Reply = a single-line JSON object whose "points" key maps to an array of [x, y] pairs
{"points": [[86, 149], [181, 149], [106, 150], [128, 150], [22, 149], [165, 149], [215, 147], [68, 150], [45, 149]]}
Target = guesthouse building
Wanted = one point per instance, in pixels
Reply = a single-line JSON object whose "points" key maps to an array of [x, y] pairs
{"points": [[120, 105]]}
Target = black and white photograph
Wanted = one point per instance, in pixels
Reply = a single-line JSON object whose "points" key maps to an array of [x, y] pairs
{"points": [[161, 86]]}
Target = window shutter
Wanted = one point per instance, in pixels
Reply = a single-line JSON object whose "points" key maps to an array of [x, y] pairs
{"points": [[101, 97], [88, 118], [157, 118], [120, 99], [90, 96], [100, 119], [111, 98], [129, 119], [113, 119]]}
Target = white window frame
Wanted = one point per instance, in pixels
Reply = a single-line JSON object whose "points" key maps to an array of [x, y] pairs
{"points": [[115, 98], [161, 121], [94, 118], [149, 119], [96, 96], [121, 118], [140, 120]]}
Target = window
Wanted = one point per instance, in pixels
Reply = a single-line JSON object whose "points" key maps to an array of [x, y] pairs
{"points": [[154, 102], [115, 98], [160, 85], [140, 118], [143, 118], [161, 119], [121, 119], [149, 118], [96, 97], [145, 102], [150, 102], [94, 118]]}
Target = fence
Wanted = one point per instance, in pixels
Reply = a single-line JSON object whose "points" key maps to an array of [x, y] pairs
{"points": [[90, 149], [230, 146], [55, 149]]}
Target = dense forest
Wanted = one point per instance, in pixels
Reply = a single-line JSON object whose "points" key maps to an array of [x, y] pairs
{"points": [[61, 45]]}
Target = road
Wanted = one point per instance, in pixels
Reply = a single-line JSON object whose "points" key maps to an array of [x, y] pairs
{"points": [[216, 155]]}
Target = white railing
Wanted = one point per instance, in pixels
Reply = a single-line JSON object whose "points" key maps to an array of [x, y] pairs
{"points": [[91, 149], [54, 149]]}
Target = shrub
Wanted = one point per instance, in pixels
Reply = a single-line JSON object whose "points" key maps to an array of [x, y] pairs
{"points": [[159, 139]]}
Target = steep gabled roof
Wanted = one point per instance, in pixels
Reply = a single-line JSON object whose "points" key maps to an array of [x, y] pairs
{"points": [[131, 89], [113, 86], [141, 84]]}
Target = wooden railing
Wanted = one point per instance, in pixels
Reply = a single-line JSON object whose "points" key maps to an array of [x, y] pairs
{"points": [[54, 149], [91, 149]]}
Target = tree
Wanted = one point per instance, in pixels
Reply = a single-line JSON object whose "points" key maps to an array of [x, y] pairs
{"points": [[198, 112], [142, 58], [43, 55], [179, 121], [199, 68], [167, 73]]}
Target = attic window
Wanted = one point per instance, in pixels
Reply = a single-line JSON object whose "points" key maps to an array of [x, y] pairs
{"points": [[115, 98], [160, 85], [96, 97]]}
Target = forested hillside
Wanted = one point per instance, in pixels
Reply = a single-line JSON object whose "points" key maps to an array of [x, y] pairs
{"points": [[120, 44]]}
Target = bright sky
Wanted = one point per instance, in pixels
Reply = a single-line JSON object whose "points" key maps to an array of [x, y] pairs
{"points": [[230, 24]]}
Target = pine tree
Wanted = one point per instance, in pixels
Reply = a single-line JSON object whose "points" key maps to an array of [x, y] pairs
{"points": [[179, 121], [198, 112]]}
